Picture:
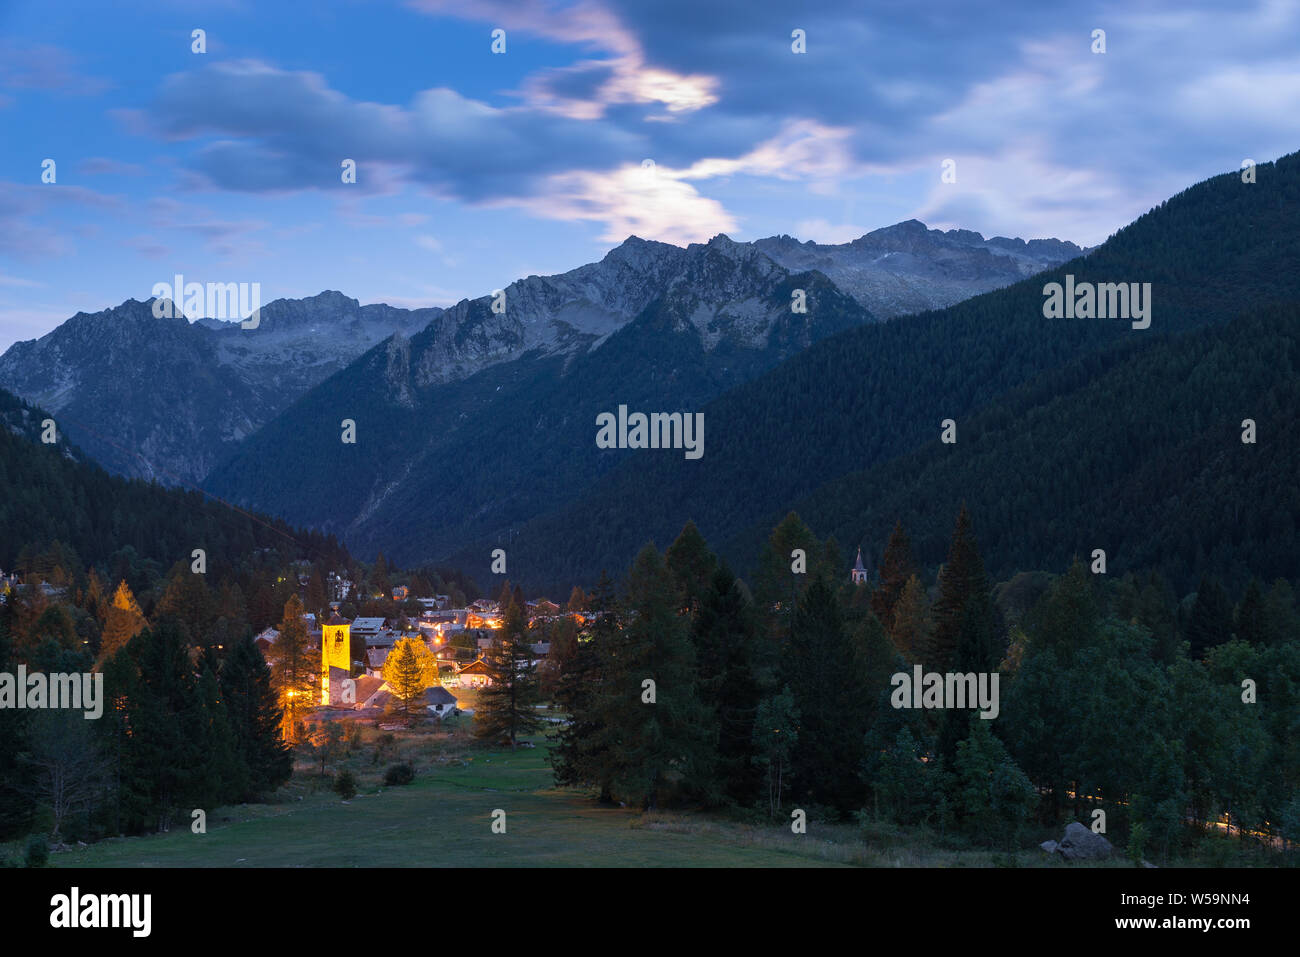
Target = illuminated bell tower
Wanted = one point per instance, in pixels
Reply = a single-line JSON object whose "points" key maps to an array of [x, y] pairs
{"points": [[335, 651], [858, 573]]}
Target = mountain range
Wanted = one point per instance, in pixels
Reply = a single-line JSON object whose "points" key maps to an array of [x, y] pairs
{"points": [[212, 384], [475, 425]]}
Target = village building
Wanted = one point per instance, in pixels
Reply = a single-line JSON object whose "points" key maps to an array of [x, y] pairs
{"points": [[858, 574], [476, 674]]}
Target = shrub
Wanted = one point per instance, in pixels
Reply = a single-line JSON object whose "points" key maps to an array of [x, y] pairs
{"points": [[38, 851], [399, 774], [346, 785]]}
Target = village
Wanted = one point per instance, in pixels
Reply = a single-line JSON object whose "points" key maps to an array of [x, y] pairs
{"points": [[353, 652]]}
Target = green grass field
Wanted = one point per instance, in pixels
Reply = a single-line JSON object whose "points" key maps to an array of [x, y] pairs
{"points": [[444, 818]]}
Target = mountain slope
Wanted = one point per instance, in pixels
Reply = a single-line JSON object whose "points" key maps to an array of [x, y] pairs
{"points": [[164, 398], [437, 462], [1138, 452], [51, 492], [908, 268], [878, 392]]}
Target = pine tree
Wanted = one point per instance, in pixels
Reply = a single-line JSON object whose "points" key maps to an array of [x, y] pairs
{"points": [[16, 809], [963, 576], [579, 752], [505, 706], [1210, 623], [1282, 623], [379, 577], [162, 762], [255, 717], [827, 675], [725, 635], [657, 730], [776, 733], [692, 566], [1251, 621], [912, 626], [188, 600], [224, 772], [317, 596], [896, 567], [577, 601]]}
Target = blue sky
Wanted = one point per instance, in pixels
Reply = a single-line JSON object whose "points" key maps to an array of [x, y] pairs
{"points": [[669, 120]]}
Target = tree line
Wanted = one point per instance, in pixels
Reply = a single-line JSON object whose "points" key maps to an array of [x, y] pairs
{"points": [[691, 688]]}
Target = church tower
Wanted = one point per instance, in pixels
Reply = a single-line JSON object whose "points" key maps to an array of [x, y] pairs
{"points": [[859, 572], [335, 651]]}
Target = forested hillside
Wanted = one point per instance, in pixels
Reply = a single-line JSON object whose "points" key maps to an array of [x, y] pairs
{"points": [[52, 493], [870, 395]]}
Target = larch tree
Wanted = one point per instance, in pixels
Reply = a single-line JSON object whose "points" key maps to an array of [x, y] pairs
{"points": [[406, 674], [123, 622], [896, 567], [295, 668]]}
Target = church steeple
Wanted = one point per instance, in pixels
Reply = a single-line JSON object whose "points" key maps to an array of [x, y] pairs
{"points": [[859, 572], [335, 651]]}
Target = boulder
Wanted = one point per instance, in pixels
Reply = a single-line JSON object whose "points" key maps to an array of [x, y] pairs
{"points": [[1049, 846], [1081, 844]]}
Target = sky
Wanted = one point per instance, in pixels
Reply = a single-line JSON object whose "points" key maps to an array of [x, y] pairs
{"points": [[672, 120]]}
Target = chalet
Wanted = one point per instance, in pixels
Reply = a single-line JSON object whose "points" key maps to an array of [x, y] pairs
{"points": [[368, 628], [476, 674], [542, 608], [264, 639], [375, 658]]}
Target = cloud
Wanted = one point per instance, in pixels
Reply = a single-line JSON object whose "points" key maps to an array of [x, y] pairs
{"points": [[27, 210], [823, 231], [15, 281], [103, 166], [1044, 129], [40, 66]]}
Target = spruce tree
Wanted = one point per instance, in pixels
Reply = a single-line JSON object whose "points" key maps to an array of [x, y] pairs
{"points": [[162, 759], [896, 567], [1251, 621], [16, 810], [255, 717], [505, 705], [911, 627], [963, 576], [579, 754], [1210, 623], [224, 772], [827, 675], [726, 635], [692, 566], [659, 741]]}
